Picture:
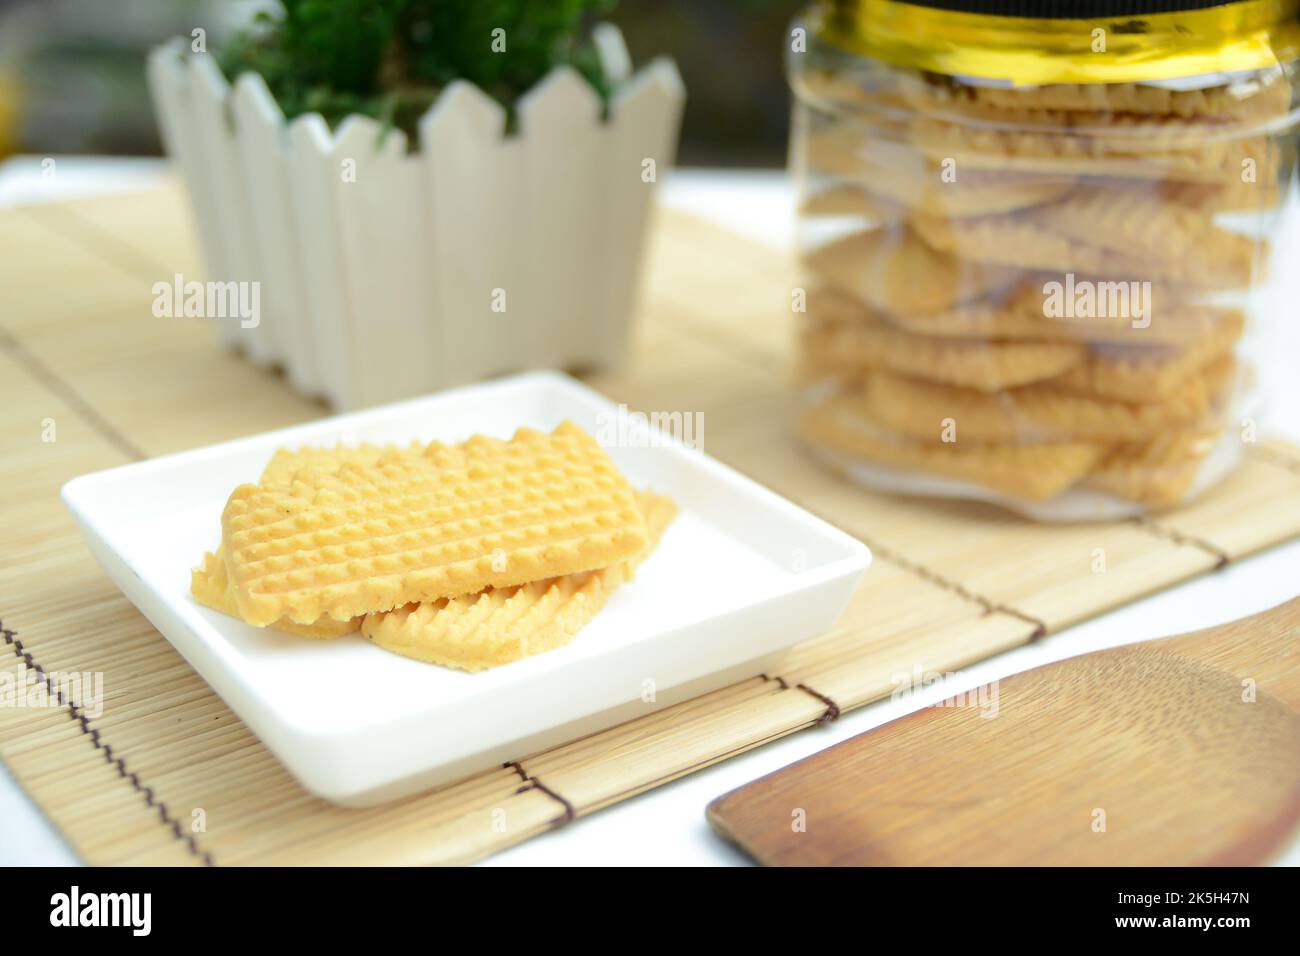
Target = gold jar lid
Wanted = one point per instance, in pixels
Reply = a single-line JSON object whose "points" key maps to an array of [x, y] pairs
{"points": [[1118, 41]]}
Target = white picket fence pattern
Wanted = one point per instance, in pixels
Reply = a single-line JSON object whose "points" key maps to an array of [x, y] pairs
{"points": [[379, 268]]}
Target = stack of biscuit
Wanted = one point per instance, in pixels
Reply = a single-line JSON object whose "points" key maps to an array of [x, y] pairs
{"points": [[1031, 290], [469, 556]]}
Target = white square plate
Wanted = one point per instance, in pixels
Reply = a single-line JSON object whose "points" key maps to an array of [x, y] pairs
{"points": [[740, 575]]}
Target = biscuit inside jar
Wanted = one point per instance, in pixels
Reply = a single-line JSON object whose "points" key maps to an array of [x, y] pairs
{"points": [[1036, 272]]}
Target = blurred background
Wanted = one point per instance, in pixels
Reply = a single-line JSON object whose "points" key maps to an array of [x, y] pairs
{"points": [[72, 71]]}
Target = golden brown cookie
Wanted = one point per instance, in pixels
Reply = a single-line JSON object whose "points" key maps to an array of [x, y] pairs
{"points": [[286, 463], [1013, 241], [1256, 98], [501, 625], [892, 270], [1020, 240], [877, 96], [1176, 241], [1001, 316], [1034, 472], [210, 584], [1030, 413], [1157, 473], [1151, 374], [409, 528], [211, 587], [1165, 316], [1026, 109], [985, 320], [899, 173], [1126, 147], [987, 366], [1254, 189], [1022, 314]]}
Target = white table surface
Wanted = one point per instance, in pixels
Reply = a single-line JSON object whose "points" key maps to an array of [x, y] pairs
{"points": [[666, 826]]}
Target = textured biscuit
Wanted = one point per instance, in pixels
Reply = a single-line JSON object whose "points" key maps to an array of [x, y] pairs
{"points": [[1137, 147], [966, 106], [295, 469], [417, 527], [477, 631], [1015, 241], [299, 469], [210, 584], [1258, 193], [1021, 314], [1156, 473], [898, 173], [1151, 374], [1031, 413], [1175, 240], [878, 93], [211, 587], [1263, 98], [986, 320], [894, 271], [1002, 315], [1169, 320], [286, 463], [1023, 318], [1035, 472], [1022, 241], [988, 366]]}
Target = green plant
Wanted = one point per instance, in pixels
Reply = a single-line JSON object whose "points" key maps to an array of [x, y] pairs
{"points": [[389, 59]]}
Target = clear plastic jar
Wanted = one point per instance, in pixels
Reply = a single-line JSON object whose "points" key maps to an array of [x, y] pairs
{"points": [[1036, 251]]}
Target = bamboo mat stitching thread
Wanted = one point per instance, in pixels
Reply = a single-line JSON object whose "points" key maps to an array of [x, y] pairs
{"points": [[533, 783], [1221, 557], [620, 795], [886, 553], [832, 711], [119, 763]]}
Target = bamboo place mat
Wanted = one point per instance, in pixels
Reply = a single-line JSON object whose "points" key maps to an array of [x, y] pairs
{"points": [[167, 774]]}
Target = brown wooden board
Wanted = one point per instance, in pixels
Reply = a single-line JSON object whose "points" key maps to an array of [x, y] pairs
{"points": [[1178, 752]]}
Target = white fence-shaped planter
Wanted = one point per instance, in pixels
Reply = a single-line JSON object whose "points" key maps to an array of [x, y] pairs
{"points": [[384, 274]]}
